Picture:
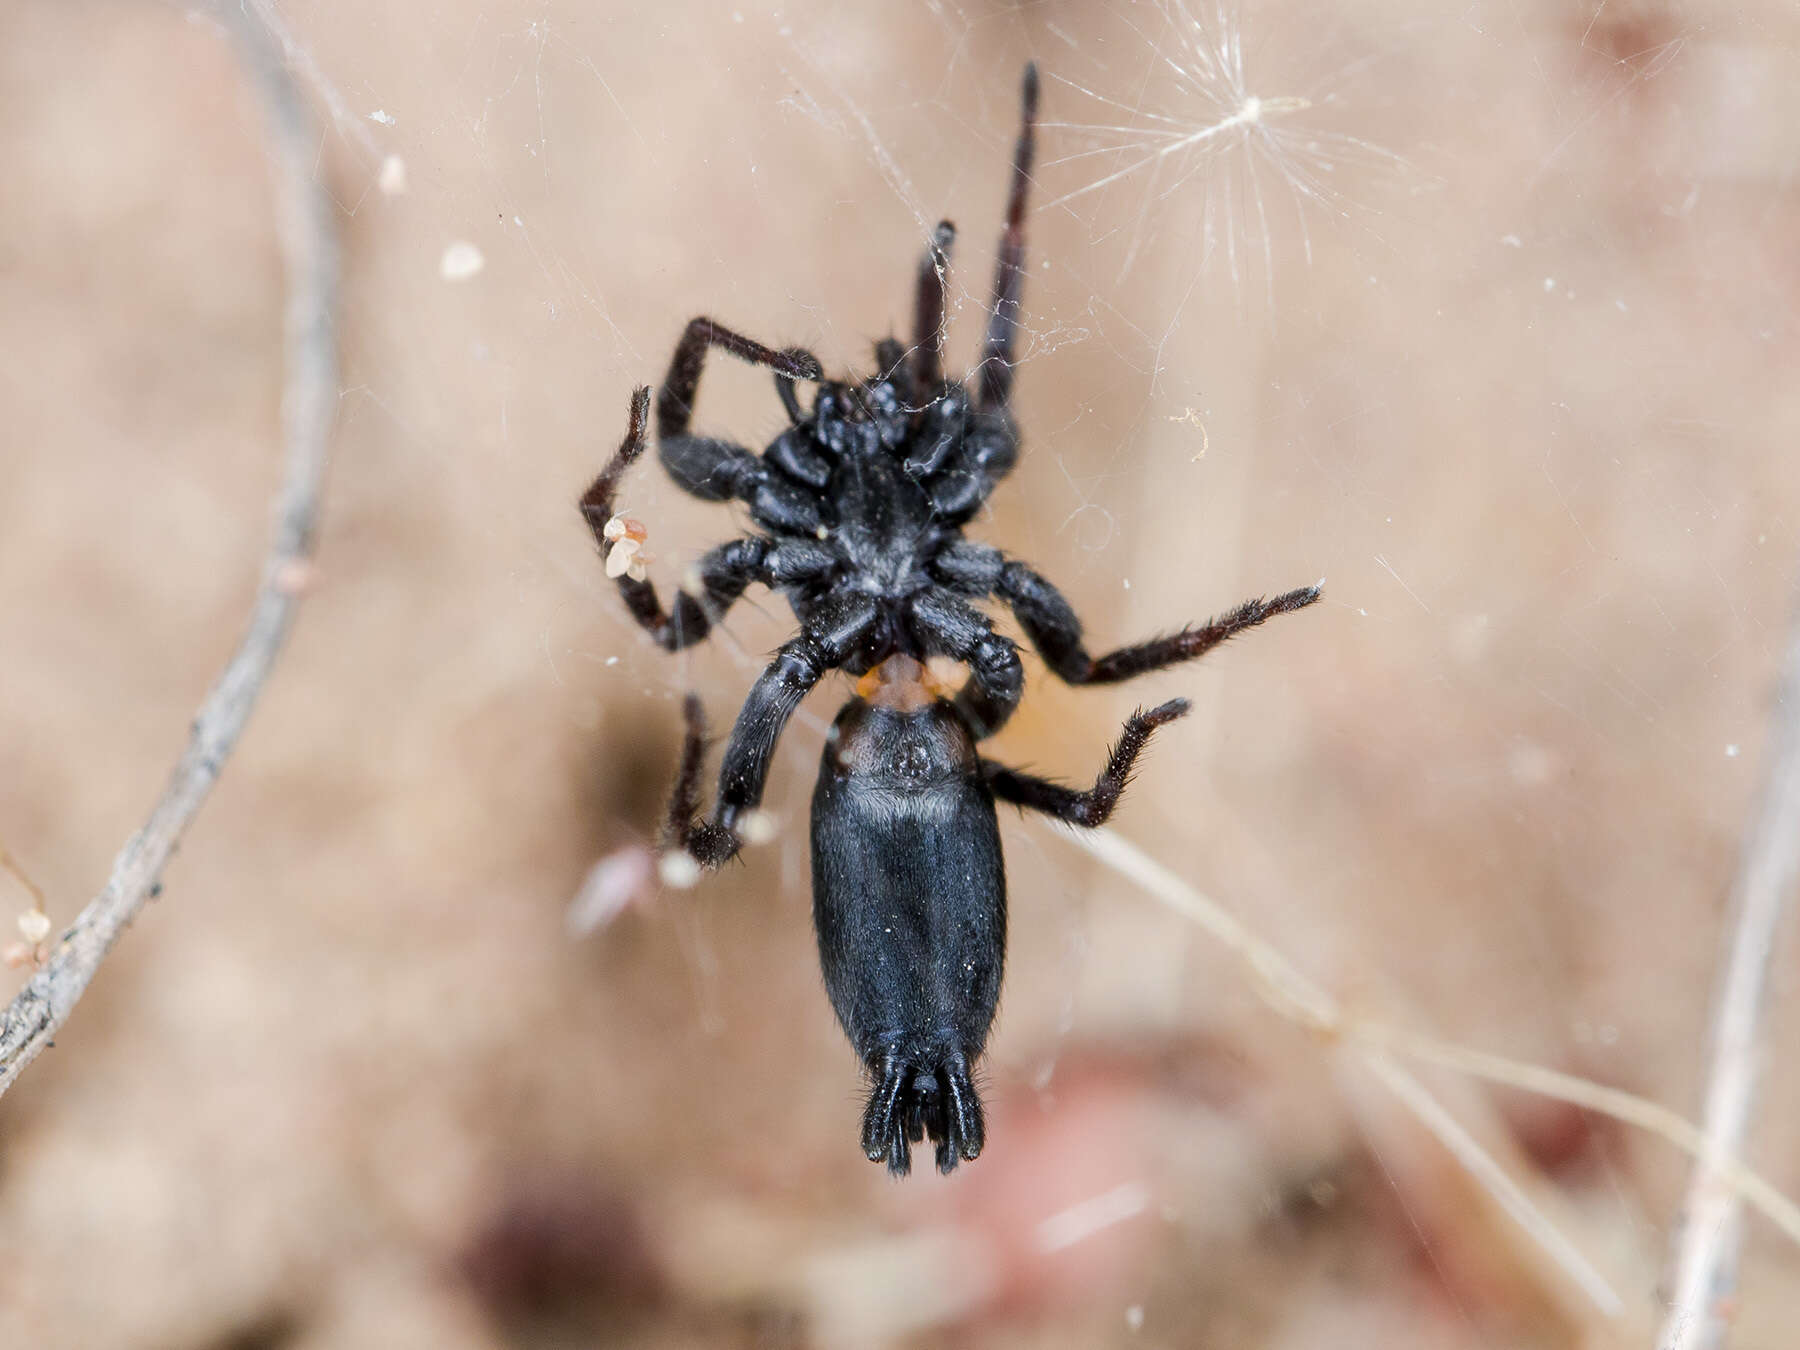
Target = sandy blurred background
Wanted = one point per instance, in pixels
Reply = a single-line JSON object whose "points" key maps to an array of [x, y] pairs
{"points": [[1519, 385]]}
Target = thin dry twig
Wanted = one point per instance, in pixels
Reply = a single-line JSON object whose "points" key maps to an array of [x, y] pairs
{"points": [[1704, 1267], [309, 402]]}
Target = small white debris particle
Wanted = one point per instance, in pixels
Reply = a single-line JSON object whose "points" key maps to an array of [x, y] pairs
{"points": [[461, 261], [757, 827], [294, 576], [679, 870], [1512, 241], [34, 926], [1731, 752], [612, 884], [1549, 284], [1134, 1317], [392, 181], [612, 661], [622, 557], [383, 116], [1531, 765], [1083, 1220]]}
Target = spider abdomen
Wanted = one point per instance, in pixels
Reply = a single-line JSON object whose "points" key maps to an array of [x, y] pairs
{"points": [[909, 900]]}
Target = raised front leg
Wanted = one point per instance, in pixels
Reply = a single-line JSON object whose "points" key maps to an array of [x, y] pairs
{"points": [[675, 401], [926, 359], [1009, 271], [711, 469]]}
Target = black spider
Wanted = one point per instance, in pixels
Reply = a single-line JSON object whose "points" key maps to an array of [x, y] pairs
{"points": [[860, 506]]}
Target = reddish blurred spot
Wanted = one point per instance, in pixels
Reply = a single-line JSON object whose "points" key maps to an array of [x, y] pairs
{"points": [[553, 1242]]}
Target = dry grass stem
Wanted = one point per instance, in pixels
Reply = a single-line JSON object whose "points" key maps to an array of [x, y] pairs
{"points": [[1704, 1267], [1297, 997], [309, 402]]}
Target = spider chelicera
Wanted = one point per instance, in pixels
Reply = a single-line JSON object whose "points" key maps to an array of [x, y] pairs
{"points": [[860, 507]]}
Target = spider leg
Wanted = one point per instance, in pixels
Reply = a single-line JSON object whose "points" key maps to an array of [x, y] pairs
{"points": [[927, 357], [1050, 622], [724, 572], [679, 824], [596, 503], [711, 469], [945, 625], [675, 401], [1009, 271], [831, 634], [1092, 807]]}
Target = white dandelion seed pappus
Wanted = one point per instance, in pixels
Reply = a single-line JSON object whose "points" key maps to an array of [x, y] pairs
{"points": [[461, 261]]}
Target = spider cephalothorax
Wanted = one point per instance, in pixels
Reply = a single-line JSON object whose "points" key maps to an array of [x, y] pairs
{"points": [[859, 507]]}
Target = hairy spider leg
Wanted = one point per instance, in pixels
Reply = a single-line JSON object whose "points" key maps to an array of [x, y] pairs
{"points": [[1009, 270], [1051, 623], [725, 572], [597, 502], [709, 468], [927, 356], [976, 571], [1091, 807], [675, 401], [680, 817], [945, 626], [835, 631]]}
